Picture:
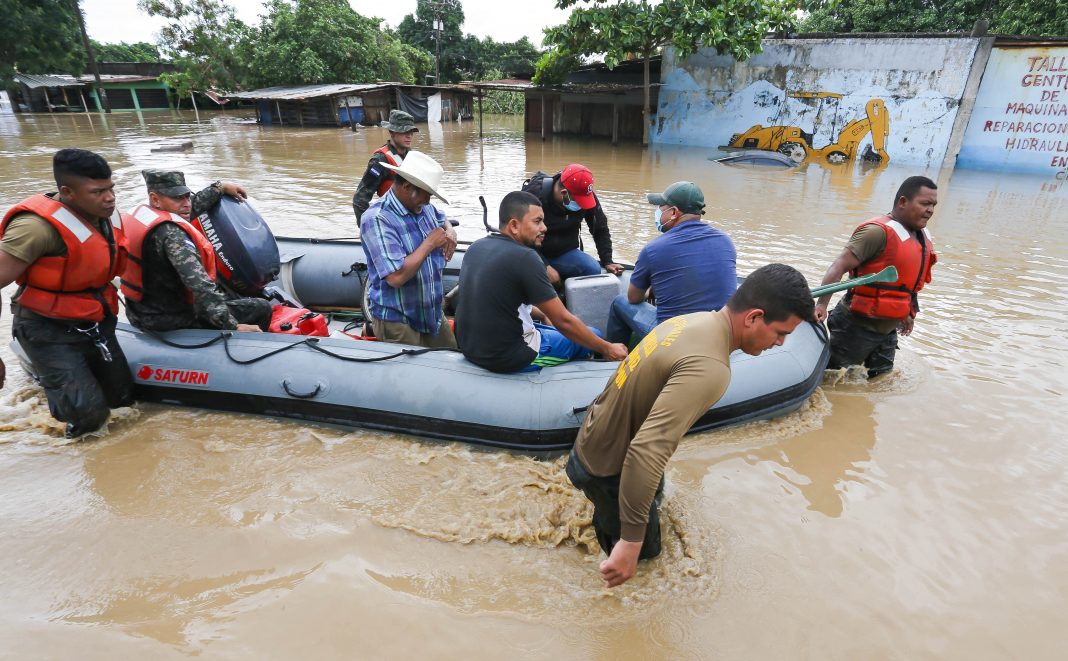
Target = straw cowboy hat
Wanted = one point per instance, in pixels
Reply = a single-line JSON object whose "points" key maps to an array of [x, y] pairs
{"points": [[422, 171]]}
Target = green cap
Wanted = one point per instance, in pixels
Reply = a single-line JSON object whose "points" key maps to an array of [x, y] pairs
{"points": [[682, 194], [165, 182], [400, 122]]}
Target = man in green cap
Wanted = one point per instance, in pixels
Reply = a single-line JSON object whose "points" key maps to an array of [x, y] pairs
{"points": [[691, 268], [378, 179], [170, 277]]}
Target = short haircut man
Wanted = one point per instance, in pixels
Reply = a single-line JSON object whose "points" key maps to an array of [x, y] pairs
{"points": [[668, 381], [865, 325]]}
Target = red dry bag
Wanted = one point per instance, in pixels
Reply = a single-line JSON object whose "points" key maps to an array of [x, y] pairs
{"points": [[297, 321]]}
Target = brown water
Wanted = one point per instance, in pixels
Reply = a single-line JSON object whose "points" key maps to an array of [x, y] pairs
{"points": [[923, 515]]}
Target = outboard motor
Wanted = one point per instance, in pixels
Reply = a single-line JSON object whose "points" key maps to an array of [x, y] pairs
{"points": [[246, 254]]}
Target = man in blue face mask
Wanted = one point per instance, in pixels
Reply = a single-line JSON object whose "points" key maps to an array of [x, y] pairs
{"points": [[690, 268], [568, 199]]}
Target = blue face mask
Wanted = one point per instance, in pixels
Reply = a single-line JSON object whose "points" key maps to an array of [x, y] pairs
{"points": [[656, 217], [572, 206]]}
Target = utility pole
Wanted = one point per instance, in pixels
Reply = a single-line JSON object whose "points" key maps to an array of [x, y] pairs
{"points": [[100, 93], [437, 50]]}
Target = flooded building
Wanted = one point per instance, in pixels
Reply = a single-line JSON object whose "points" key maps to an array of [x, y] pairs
{"points": [[348, 104], [128, 85]]}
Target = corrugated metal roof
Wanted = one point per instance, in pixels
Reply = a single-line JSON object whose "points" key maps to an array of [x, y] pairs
{"points": [[34, 81], [301, 92]]}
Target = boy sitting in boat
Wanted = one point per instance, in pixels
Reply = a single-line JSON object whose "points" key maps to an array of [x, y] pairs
{"points": [[504, 286]]}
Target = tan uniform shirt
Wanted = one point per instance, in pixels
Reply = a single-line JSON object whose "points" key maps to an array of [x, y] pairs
{"points": [[29, 237], [672, 378], [866, 243]]}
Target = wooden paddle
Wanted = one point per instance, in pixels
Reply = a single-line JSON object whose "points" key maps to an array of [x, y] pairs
{"points": [[889, 274]]}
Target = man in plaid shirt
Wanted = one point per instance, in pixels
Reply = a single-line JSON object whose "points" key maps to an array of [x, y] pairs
{"points": [[407, 242]]}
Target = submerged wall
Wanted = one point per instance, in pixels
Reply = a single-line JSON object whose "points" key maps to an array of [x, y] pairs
{"points": [[1020, 120], [842, 99]]}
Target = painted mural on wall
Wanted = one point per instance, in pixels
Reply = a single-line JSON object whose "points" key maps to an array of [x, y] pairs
{"points": [[1020, 120], [843, 139], [843, 99]]}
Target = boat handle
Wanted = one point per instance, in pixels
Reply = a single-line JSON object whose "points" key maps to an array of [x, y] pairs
{"points": [[301, 395]]}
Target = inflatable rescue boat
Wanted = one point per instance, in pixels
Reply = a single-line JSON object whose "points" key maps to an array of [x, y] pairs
{"points": [[341, 380]]}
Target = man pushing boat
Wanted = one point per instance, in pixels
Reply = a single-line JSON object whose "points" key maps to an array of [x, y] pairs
{"points": [[674, 375]]}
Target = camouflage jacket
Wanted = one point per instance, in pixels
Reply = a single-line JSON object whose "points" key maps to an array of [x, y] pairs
{"points": [[171, 266], [372, 179]]}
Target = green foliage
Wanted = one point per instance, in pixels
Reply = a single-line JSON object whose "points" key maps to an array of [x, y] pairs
{"points": [[124, 52], [463, 57], [501, 102], [324, 41], [553, 66], [1023, 17], [40, 36], [202, 37]]}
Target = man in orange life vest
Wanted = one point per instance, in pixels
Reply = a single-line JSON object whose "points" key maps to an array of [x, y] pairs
{"points": [[378, 179], [170, 279], [64, 249], [865, 324]]}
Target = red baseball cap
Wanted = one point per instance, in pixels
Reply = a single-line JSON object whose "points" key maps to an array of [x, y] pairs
{"points": [[578, 180]]}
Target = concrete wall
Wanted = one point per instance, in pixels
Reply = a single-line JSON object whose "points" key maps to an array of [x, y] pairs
{"points": [[1020, 119], [821, 98]]}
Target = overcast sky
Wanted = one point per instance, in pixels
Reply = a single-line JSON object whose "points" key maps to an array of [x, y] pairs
{"points": [[112, 21]]}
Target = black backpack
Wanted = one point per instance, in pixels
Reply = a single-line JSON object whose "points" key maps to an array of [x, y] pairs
{"points": [[538, 184]]}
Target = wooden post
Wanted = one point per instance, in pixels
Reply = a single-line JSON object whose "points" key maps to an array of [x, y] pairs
{"points": [[543, 115], [278, 109], [615, 123], [348, 109], [193, 98], [84, 104], [480, 92], [300, 113], [66, 101]]}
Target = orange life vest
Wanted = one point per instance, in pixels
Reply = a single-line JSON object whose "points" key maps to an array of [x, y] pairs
{"points": [[75, 286], [394, 160], [913, 260], [138, 224]]}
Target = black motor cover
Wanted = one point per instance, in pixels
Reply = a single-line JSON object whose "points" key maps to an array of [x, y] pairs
{"points": [[246, 255]]}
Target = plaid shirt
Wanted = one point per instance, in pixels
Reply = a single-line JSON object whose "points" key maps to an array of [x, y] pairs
{"points": [[390, 233]]}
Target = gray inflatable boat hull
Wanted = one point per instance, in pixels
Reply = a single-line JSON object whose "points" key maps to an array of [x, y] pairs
{"points": [[436, 394]]}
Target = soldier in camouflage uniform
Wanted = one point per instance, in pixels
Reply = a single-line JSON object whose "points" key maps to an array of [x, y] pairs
{"points": [[378, 179], [171, 266]]}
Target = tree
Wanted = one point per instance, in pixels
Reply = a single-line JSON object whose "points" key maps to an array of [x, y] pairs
{"points": [[448, 42], [123, 52], [1028, 17], [325, 41], [202, 38], [463, 57], [621, 29], [39, 36]]}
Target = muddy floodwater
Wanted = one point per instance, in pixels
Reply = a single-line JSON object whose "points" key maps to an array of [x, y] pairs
{"points": [[923, 515]]}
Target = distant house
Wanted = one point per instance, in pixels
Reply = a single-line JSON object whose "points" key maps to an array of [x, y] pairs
{"points": [[129, 86], [346, 104], [592, 101]]}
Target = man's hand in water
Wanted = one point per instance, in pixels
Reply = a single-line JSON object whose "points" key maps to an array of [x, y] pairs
{"points": [[622, 565]]}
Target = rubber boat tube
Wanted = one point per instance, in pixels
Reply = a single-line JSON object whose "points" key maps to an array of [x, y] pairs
{"points": [[434, 394]]}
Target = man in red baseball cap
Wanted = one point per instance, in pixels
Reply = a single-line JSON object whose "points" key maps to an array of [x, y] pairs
{"points": [[567, 198]]}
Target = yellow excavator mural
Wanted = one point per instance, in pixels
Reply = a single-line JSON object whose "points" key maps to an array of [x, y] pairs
{"points": [[797, 144]]}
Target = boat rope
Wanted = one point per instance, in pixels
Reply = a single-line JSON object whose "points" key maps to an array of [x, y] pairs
{"points": [[310, 342]]}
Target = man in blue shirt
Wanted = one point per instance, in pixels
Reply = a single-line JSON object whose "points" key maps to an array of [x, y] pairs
{"points": [[691, 268], [407, 242]]}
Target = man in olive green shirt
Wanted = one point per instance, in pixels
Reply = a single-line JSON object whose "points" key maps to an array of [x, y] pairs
{"points": [[672, 377]]}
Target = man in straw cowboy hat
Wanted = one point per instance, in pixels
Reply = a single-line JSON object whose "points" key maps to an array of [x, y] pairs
{"points": [[407, 242], [378, 179]]}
